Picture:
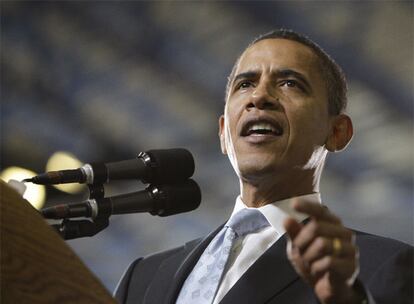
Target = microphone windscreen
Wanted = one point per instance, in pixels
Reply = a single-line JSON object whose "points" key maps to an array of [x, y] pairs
{"points": [[171, 165], [182, 197]]}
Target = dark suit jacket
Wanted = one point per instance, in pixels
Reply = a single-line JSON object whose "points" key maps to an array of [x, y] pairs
{"points": [[386, 272]]}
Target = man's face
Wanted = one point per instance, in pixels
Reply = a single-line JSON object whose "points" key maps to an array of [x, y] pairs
{"points": [[276, 116]]}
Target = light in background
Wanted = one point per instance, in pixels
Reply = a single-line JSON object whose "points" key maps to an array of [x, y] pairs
{"points": [[35, 194], [62, 160]]}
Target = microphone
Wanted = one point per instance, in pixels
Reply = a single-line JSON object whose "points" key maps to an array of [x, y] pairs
{"points": [[153, 166], [161, 200]]}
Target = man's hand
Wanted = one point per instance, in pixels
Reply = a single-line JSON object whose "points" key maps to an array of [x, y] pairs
{"points": [[323, 253]]}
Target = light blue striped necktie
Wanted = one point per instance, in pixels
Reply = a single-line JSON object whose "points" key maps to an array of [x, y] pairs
{"points": [[202, 284]]}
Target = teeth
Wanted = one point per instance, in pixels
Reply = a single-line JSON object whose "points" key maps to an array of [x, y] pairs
{"points": [[262, 126]]}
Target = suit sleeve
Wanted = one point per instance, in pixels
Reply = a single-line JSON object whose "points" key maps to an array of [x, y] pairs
{"points": [[121, 290]]}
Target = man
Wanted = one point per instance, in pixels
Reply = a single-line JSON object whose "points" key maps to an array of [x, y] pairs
{"points": [[284, 111]]}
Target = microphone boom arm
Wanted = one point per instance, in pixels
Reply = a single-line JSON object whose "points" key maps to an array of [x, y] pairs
{"points": [[73, 229], [70, 229]]}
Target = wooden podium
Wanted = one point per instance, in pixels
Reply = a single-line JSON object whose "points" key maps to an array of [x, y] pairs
{"points": [[37, 266]]}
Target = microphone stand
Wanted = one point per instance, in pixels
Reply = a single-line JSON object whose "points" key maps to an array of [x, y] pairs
{"points": [[72, 229]]}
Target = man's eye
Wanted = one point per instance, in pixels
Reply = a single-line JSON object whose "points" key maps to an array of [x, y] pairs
{"points": [[244, 84], [290, 83]]}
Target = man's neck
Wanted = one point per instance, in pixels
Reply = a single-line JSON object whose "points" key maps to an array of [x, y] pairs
{"points": [[267, 191]]}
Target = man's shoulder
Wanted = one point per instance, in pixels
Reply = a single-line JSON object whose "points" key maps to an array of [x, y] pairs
{"points": [[160, 256], [380, 243], [159, 266], [378, 254]]}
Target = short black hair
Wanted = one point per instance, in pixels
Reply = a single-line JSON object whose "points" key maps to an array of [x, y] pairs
{"points": [[332, 73]]}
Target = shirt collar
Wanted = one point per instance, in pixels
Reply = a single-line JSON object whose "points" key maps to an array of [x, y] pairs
{"points": [[278, 211]]}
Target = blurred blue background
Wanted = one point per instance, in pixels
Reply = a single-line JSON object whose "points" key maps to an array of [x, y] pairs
{"points": [[106, 80]]}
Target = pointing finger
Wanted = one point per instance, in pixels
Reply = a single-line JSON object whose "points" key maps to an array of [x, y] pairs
{"points": [[292, 227], [315, 210]]}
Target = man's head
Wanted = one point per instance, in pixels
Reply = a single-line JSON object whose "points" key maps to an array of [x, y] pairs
{"points": [[332, 73], [278, 123]]}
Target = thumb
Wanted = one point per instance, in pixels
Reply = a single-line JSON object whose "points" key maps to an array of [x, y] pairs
{"points": [[292, 227], [292, 230]]}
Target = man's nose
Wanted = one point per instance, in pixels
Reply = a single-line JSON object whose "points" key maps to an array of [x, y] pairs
{"points": [[263, 98]]}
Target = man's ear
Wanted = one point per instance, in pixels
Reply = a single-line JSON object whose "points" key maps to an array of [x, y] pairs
{"points": [[221, 135], [341, 133]]}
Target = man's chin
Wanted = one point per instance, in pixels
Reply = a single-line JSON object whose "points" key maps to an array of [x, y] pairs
{"points": [[256, 171]]}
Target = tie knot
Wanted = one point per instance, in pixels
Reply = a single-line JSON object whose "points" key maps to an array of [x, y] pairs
{"points": [[247, 221]]}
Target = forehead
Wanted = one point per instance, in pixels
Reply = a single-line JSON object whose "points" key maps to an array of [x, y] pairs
{"points": [[270, 54]]}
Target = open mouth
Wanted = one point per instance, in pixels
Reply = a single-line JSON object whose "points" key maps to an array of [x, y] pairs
{"points": [[262, 127]]}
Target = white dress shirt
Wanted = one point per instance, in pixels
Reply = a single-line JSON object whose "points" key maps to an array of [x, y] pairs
{"points": [[248, 249]]}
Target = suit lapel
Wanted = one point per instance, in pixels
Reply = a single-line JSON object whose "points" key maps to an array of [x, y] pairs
{"points": [[187, 266], [174, 276], [267, 277]]}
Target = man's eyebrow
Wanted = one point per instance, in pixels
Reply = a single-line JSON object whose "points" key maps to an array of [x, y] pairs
{"points": [[246, 75], [295, 74]]}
